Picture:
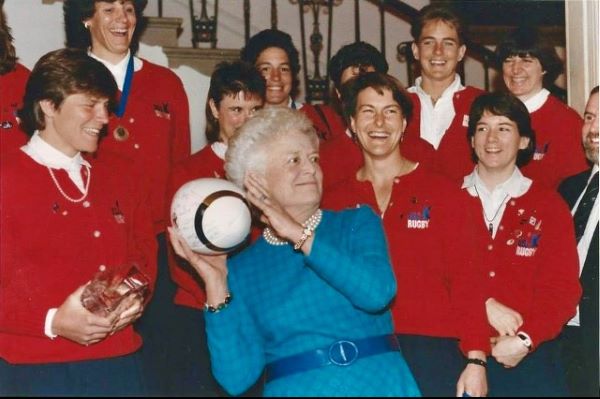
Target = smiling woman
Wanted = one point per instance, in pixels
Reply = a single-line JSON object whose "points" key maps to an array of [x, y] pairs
{"points": [[325, 276], [150, 126], [417, 207], [518, 225], [93, 219], [530, 65]]}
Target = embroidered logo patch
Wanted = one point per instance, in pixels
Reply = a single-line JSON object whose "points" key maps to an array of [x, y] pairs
{"points": [[162, 110], [419, 219], [117, 214], [540, 151], [528, 246]]}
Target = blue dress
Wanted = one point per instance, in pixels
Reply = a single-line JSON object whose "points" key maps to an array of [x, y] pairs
{"points": [[285, 303]]}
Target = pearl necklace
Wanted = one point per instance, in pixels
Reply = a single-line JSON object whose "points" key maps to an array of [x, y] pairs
{"points": [[311, 223], [85, 192]]}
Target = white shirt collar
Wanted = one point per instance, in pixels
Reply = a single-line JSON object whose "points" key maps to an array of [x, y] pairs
{"points": [[455, 86], [515, 186], [494, 203], [436, 119], [45, 154], [119, 70], [219, 148], [534, 103]]}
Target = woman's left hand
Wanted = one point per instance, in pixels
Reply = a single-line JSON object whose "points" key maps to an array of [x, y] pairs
{"points": [[508, 350], [129, 311], [211, 268], [273, 214]]}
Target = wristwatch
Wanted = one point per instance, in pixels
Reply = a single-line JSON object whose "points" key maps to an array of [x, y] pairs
{"points": [[525, 339]]}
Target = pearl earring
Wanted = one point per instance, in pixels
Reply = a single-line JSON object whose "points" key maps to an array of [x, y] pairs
{"points": [[86, 25]]}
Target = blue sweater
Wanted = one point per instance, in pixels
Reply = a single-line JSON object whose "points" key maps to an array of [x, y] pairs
{"points": [[286, 303]]}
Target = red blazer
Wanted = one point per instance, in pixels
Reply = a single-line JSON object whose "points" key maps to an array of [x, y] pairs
{"points": [[427, 237], [453, 156], [50, 246], [12, 89], [531, 265], [558, 152], [157, 120]]}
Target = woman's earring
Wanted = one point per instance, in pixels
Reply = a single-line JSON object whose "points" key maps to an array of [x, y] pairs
{"points": [[86, 25]]}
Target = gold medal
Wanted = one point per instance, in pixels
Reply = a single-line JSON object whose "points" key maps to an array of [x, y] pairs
{"points": [[120, 133]]}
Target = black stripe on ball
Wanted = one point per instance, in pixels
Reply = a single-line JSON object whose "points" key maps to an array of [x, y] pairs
{"points": [[200, 215]]}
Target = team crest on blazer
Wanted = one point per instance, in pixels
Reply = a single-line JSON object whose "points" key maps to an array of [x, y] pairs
{"points": [[117, 214], [162, 110], [419, 219], [527, 246]]}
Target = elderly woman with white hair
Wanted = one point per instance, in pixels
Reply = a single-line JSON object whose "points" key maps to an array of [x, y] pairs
{"points": [[307, 301]]}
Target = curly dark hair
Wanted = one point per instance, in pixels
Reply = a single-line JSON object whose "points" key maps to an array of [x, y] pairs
{"points": [[59, 74], [75, 12], [229, 79], [8, 55], [358, 54], [508, 105], [528, 41], [379, 82], [274, 38]]}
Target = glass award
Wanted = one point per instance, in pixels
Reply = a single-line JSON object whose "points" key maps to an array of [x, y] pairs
{"points": [[111, 286]]}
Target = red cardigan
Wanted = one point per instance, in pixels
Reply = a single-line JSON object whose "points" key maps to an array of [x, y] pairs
{"points": [[12, 89], [204, 163], [558, 152], [50, 246], [157, 119], [453, 156], [427, 237], [531, 265]]}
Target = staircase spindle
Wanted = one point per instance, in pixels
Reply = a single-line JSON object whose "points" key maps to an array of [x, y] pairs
{"points": [[246, 21], [356, 21], [382, 25], [273, 14]]}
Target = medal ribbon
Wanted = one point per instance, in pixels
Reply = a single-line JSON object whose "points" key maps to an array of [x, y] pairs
{"points": [[126, 88]]}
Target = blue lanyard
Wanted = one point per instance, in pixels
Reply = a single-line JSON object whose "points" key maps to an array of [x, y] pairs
{"points": [[126, 88]]}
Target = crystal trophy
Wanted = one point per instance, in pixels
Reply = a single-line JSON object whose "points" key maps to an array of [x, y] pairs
{"points": [[111, 286]]}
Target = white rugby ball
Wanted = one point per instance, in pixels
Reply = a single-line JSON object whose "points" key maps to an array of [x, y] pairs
{"points": [[211, 214]]}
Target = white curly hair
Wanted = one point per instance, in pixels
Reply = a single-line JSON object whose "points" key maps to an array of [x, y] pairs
{"points": [[247, 150]]}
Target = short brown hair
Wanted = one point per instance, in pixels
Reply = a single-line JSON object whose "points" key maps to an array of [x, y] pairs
{"points": [[379, 82], [528, 41], [229, 79], [508, 105], [59, 74], [434, 13]]}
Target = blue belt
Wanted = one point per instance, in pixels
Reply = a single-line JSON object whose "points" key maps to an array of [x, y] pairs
{"points": [[340, 353]]}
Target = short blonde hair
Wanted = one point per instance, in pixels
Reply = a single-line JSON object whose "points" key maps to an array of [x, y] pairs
{"points": [[247, 150]]}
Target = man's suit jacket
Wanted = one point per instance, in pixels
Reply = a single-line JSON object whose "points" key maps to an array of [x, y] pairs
{"points": [[570, 189]]}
